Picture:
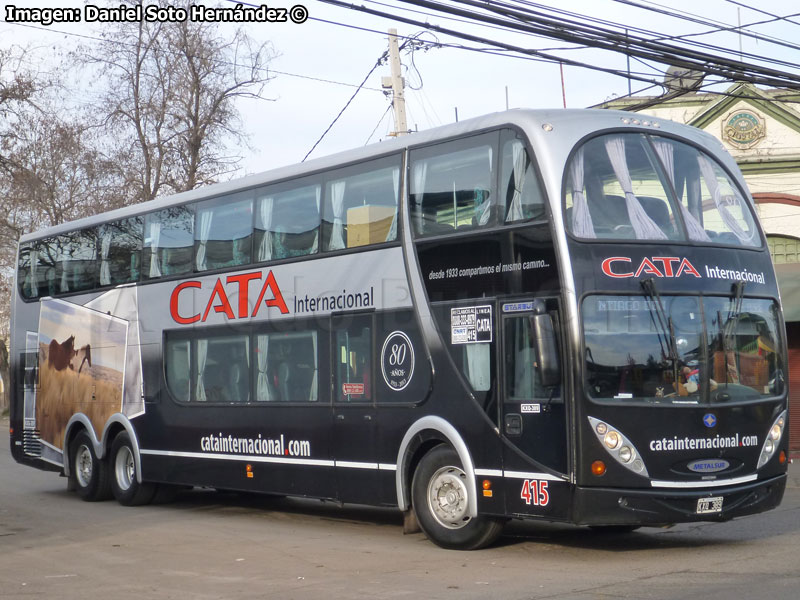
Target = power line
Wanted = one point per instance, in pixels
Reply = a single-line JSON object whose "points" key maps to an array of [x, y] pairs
{"points": [[344, 108], [266, 70]]}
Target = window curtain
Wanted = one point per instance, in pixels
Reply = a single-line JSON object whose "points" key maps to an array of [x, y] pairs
{"points": [[105, 250], [392, 235], [263, 384], [206, 217], [312, 394], [336, 190], [644, 227], [202, 355], [315, 247], [64, 260], [420, 175], [722, 202], [266, 205], [582, 225], [483, 211], [519, 161], [155, 235], [34, 277], [666, 152]]}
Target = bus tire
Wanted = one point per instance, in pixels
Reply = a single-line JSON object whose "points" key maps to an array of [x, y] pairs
{"points": [[127, 490], [88, 475], [440, 497]]}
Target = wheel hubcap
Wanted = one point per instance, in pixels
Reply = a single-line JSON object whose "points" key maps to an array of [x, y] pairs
{"points": [[448, 497], [83, 466], [124, 468]]}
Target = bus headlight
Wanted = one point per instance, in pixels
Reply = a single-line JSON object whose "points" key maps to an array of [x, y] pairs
{"points": [[772, 440], [618, 446], [611, 439]]}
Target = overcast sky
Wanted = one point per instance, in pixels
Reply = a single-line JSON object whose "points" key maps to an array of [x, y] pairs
{"points": [[298, 107]]}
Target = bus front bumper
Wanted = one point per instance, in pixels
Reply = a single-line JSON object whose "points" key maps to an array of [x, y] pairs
{"points": [[655, 507]]}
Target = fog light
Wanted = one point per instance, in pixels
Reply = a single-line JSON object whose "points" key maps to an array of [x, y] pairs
{"points": [[598, 468], [625, 454], [611, 439], [638, 466]]}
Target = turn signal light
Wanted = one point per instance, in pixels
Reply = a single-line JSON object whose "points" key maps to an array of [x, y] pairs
{"points": [[782, 457], [487, 485], [598, 468]]}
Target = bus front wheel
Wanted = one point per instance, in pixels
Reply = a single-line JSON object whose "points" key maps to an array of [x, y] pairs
{"points": [[127, 490], [440, 498], [88, 474]]}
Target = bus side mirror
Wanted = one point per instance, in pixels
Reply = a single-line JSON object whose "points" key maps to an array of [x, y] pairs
{"points": [[546, 350]]}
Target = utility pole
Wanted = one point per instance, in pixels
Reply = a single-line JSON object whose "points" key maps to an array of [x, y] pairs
{"points": [[396, 84]]}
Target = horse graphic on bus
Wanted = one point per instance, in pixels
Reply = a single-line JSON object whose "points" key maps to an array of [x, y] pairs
{"points": [[81, 368]]}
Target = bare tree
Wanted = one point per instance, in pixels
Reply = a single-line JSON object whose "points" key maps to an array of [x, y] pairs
{"points": [[170, 100]]}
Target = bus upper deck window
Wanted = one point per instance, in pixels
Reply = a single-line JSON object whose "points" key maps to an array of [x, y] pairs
{"points": [[452, 186], [616, 189], [361, 208], [223, 232], [120, 251], [287, 221], [168, 242]]}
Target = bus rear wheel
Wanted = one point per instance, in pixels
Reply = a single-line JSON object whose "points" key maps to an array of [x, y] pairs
{"points": [[440, 498], [127, 490], [88, 475]]}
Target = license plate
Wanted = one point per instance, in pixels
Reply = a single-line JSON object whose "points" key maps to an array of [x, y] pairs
{"points": [[709, 505]]}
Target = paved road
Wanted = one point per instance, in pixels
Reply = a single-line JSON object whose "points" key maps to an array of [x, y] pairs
{"points": [[210, 545]]}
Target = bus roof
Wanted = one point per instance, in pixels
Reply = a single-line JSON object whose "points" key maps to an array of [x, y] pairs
{"points": [[557, 130]]}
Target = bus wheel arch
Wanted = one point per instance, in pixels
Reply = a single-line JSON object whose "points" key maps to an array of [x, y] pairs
{"points": [[422, 438]]}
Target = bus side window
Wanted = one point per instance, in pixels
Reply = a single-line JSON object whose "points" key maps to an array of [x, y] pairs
{"points": [[287, 366], [120, 249], [452, 186], [352, 353], [520, 189], [361, 209], [287, 221], [223, 232], [168, 242], [177, 361]]}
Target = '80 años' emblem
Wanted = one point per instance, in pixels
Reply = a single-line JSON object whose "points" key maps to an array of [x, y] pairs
{"points": [[743, 129]]}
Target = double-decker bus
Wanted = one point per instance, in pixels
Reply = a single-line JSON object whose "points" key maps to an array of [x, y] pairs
{"points": [[559, 315]]}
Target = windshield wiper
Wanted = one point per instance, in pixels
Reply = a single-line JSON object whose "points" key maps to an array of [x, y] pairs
{"points": [[665, 324]]}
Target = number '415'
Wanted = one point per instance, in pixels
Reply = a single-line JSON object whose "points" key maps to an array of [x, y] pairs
{"points": [[535, 492]]}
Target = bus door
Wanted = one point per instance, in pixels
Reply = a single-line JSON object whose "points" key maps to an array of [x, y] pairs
{"points": [[354, 418], [533, 416]]}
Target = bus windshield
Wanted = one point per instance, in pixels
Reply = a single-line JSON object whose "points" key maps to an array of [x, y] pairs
{"points": [[646, 187], [704, 350]]}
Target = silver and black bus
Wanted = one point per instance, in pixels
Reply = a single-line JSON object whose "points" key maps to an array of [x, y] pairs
{"points": [[559, 315]]}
